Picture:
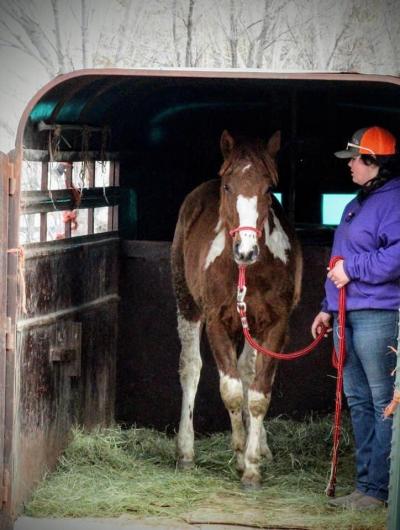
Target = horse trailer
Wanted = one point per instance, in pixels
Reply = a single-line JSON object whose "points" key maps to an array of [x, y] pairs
{"points": [[89, 200]]}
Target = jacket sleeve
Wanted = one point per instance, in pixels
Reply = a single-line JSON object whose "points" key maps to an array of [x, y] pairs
{"points": [[382, 264], [324, 305]]}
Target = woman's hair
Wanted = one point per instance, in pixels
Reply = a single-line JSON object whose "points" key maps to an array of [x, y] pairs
{"points": [[389, 167]]}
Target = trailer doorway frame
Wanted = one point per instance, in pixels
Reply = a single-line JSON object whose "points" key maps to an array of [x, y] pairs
{"points": [[10, 195]]}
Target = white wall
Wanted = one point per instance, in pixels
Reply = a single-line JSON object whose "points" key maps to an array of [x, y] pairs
{"points": [[40, 39]]}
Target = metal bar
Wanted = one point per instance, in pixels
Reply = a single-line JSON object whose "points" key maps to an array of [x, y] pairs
{"points": [[68, 185], [91, 186], [37, 155], [116, 207], [42, 202], [44, 187], [42, 126], [111, 180]]}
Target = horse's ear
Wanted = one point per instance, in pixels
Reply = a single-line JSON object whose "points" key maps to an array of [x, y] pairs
{"points": [[274, 144], [226, 143]]}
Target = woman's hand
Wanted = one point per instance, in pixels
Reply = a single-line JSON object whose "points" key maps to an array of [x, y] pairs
{"points": [[337, 275], [322, 319]]}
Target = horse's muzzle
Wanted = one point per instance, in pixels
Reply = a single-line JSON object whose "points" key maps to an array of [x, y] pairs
{"points": [[247, 256]]}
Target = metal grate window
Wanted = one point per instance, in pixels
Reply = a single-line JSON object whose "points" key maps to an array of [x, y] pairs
{"points": [[66, 199]]}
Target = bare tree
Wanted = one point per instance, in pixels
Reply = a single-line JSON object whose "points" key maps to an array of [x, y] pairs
{"points": [[391, 16], [186, 51], [233, 35], [189, 33], [175, 32], [127, 28], [22, 31], [57, 33], [84, 32]]}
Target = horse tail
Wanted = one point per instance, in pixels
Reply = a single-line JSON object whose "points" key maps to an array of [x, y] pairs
{"points": [[187, 307]]}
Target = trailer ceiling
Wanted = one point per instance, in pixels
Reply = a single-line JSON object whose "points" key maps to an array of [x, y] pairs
{"points": [[166, 129], [146, 109]]}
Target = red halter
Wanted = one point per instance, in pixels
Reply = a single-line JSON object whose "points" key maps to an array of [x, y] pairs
{"points": [[240, 228]]}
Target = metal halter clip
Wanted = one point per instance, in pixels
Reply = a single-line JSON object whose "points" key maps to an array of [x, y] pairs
{"points": [[240, 303], [241, 293]]}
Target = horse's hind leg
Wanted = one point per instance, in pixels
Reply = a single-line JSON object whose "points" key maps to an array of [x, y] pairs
{"points": [[189, 324], [189, 371]]}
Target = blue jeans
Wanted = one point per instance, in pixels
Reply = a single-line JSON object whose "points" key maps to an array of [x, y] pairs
{"points": [[368, 387]]}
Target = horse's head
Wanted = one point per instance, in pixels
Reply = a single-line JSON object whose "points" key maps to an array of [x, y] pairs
{"points": [[247, 175]]}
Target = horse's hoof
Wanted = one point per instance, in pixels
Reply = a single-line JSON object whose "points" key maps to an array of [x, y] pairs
{"points": [[239, 463], [253, 484], [239, 467], [266, 453], [185, 465]]}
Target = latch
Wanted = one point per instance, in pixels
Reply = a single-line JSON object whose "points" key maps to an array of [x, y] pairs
{"points": [[65, 347], [12, 181]]}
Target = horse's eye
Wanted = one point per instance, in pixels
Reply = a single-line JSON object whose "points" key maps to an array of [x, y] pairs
{"points": [[227, 188], [267, 190]]}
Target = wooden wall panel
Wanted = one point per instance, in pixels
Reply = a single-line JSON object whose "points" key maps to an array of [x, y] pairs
{"points": [[59, 384], [148, 388]]}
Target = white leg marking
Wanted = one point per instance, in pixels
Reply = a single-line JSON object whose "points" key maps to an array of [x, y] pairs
{"points": [[189, 371], [258, 405], [232, 395], [217, 245], [264, 448], [248, 214], [277, 242]]}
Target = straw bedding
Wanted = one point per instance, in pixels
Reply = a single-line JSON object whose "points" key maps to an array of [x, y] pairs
{"points": [[115, 471]]}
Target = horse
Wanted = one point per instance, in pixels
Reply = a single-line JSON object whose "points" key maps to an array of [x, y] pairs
{"points": [[225, 223]]}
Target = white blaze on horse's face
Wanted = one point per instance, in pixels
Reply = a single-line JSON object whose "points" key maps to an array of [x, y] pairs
{"points": [[245, 246]]}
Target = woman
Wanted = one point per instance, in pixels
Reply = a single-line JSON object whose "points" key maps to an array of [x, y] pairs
{"points": [[368, 239]]}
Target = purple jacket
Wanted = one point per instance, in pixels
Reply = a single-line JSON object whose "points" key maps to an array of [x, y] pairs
{"points": [[368, 238]]}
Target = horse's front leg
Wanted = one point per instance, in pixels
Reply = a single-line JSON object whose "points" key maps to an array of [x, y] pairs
{"points": [[247, 370], [259, 398], [230, 385], [189, 371]]}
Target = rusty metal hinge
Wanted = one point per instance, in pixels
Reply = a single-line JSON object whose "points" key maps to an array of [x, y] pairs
{"points": [[10, 335], [5, 490]]}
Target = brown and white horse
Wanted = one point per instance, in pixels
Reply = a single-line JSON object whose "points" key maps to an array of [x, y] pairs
{"points": [[205, 261]]}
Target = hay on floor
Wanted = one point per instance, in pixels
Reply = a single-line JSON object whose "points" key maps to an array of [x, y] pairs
{"points": [[111, 472]]}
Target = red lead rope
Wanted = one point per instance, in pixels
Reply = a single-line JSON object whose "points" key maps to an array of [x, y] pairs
{"points": [[338, 360], [338, 363], [241, 307]]}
